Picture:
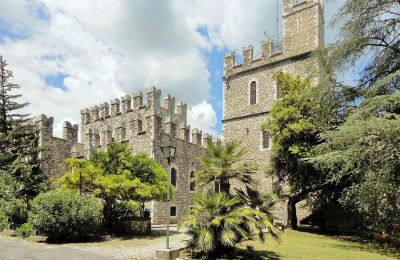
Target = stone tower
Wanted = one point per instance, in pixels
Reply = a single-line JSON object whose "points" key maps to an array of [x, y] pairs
{"points": [[249, 88]]}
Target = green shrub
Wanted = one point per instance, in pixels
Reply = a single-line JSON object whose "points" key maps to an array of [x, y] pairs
{"points": [[13, 208], [3, 221], [126, 208], [25, 230], [65, 215]]}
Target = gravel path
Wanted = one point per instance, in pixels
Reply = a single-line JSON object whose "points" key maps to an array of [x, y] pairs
{"points": [[15, 248]]}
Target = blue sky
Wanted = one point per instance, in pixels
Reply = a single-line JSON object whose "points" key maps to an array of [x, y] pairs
{"points": [[68, 55]]}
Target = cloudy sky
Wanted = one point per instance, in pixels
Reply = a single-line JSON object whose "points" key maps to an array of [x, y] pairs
{"points": [[68, 55]]}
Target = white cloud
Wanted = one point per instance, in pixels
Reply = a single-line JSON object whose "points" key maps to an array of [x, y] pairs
{"points": [[204, 117], [113, 47]]}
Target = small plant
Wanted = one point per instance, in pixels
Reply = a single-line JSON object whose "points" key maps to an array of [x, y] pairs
{"points": [[65, 215], [3, 221], [25, 230]]}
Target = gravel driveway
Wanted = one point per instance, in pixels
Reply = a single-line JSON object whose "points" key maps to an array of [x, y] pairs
{"points": [[16, 248]]}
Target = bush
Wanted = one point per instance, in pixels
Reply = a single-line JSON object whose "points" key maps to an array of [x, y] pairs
{"points": [[25, 230], [65, 215], [13, 208], [3, 221], [126, 209]]}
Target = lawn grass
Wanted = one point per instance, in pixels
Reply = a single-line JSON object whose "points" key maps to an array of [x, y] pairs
{"points": [[303, 245]]}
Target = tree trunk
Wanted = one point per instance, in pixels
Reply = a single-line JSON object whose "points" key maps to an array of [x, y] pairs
{"points": [[291, 212]]}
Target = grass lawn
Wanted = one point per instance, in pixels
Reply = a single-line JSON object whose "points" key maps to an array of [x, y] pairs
{"points": [[303, 245]]}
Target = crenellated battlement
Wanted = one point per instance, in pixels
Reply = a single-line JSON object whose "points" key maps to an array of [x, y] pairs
{"points": [[45, 124], [270, 52], [303, 33], [135, 118]]}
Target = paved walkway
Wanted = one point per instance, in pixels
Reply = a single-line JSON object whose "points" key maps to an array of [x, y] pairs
{"points": [[16, 248]]}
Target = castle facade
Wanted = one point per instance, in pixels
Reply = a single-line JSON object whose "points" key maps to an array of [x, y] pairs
{"points": [[249, 88], [146, 126]]}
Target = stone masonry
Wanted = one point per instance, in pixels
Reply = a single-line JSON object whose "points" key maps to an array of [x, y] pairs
{"points": [[303, 32], [146, 126]]}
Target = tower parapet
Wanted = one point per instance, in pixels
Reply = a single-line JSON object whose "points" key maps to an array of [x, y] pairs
{"points": [[303, 32]]}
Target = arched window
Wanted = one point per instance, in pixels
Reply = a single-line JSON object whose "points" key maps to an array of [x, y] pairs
{"points": [[253, 93], [192, 184], [173, 176]]}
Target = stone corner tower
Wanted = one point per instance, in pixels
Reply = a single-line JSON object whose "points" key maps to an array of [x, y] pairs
{"points": [[249, 88]]}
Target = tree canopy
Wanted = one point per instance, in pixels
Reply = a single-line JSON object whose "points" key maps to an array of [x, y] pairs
{"points": [[364, 149], [117, 175], [18, 140]]}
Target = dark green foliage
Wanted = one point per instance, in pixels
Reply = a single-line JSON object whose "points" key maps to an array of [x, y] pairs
{"points": [[3, 221], [364, 150], [117, 175], [25, 230], [369, 28], [65, 215], [18, 140], [218, 222], [295, 122], [14, 209], [222, 164]]}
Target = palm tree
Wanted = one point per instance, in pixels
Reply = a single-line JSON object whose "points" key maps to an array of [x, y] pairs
{"points": [[218, 222], [221, 164]]}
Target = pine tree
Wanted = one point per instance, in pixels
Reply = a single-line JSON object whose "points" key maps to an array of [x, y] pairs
{"points": [[18, 139]]}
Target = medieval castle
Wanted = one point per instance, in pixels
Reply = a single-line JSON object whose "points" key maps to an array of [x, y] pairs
{"points": [[145, 125]]}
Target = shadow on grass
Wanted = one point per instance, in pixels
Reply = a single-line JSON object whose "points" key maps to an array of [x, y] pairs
{"points": [[358, 241], [259, 254]]}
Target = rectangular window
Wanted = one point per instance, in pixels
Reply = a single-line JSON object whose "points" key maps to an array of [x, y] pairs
{"points": [[265, 140], [173, 211], [173, 176], [139, 126], [192, 184], [253, 93]]}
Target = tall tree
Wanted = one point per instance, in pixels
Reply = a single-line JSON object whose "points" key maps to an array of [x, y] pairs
{"points": [[18, 139], [365, 148], [295, 122]]}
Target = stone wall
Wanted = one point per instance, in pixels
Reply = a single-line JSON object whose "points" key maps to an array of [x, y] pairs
{"points": [[55, 150], [302, 33], [146, 126], [133, 226]]}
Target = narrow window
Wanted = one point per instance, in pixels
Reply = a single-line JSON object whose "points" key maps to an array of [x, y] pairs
{"points": [[192, 181], [299, 24], [265, 140], [278, 90], [139, 126], [216, 186], [253, 93], [173, 211], [173, 176]]}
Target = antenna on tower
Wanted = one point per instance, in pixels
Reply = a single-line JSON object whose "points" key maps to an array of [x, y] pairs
{"points": [[277, 21]]}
